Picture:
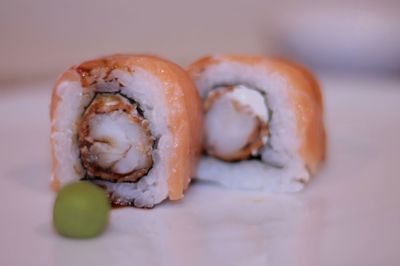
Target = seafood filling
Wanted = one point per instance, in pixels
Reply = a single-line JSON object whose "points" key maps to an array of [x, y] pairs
{"points": [[115, 141], [236, 122]]}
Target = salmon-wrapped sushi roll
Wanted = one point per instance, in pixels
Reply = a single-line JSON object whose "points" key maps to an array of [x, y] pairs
{"points": [[263, 124], [129, 123]]}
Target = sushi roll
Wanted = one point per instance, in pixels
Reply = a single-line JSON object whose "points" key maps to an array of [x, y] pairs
{"points": [[131, 124], [263, 122]]}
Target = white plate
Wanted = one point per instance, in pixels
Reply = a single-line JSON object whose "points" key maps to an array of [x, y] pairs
{"points": [[349, 215]]}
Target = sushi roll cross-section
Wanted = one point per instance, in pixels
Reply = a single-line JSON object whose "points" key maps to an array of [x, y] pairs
{"points": [[131, 124], [263, 126]]}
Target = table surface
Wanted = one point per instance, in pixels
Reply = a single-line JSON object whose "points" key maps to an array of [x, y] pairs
{"points": [[348, 215]]}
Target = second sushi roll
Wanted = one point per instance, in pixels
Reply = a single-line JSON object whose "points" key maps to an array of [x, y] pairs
{"points": [[263, 123]]}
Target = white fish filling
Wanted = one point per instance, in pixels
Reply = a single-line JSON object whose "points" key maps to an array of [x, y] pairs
{"points": [[115, 139], [252, 99], [235, 122], [120, 146]]}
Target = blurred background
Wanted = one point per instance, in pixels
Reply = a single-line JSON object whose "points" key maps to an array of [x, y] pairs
{"points": [[349, 216], [41, 38]]}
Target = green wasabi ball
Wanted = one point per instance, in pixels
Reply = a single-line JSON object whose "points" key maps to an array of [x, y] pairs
{"points": [[81, 210]]}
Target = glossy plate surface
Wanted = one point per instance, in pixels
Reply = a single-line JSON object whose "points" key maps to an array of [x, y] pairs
{"points": [[348, 215]]}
